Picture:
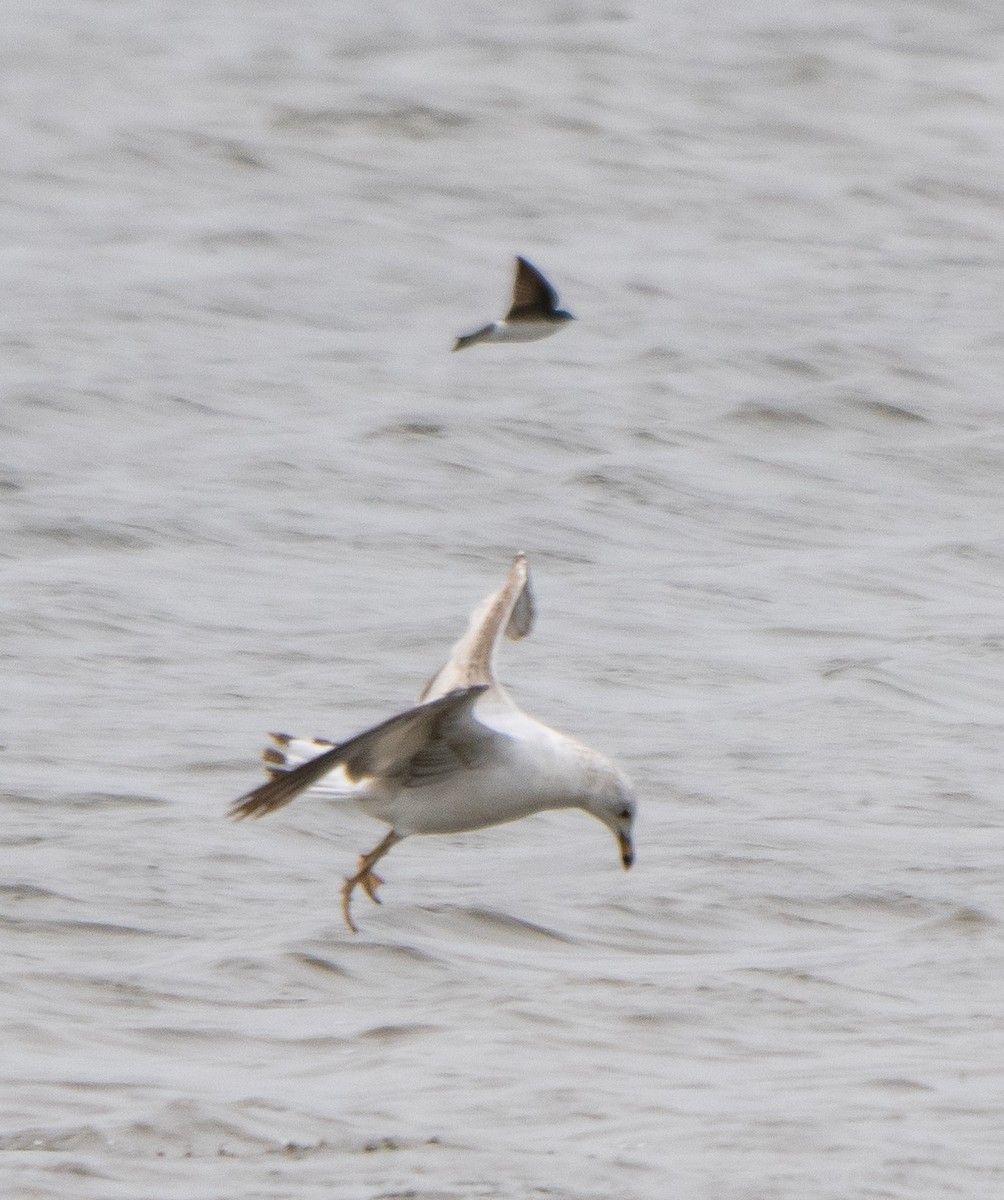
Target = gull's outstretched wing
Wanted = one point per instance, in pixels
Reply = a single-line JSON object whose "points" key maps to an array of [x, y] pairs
{"points": [[511, 611], [532, 294], [411, 749]]}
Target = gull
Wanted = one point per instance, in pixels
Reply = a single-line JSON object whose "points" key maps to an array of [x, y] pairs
{"points": [[465, 757], [534, 312]]}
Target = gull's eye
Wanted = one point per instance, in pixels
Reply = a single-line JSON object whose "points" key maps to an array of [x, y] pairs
{"points": [[624, 814]]}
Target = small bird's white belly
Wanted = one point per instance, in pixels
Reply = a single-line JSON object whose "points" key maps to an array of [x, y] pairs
{"points": [[523, 331]]}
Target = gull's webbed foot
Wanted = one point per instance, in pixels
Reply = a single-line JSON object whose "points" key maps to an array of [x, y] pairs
{"points": [[366, 878], [369, 881]]}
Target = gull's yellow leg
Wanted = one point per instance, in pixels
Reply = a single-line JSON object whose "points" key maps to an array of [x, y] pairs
{"points": [[366, 877]]}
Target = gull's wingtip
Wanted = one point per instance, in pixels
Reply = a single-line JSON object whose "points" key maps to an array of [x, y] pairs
{"points": [[265, 799], [246, 806], [523, 613]]}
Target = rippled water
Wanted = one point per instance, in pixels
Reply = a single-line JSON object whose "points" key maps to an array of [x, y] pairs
{"points": [[245, 485]]}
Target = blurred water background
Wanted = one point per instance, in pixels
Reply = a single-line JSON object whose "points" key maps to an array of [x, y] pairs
{"points": [[246, 486]]}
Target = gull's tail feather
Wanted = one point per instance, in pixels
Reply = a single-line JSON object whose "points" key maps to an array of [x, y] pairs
{"points": [[290, 752]]}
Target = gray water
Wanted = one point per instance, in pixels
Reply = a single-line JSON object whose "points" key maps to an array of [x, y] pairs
{"points": [[245, 486]]}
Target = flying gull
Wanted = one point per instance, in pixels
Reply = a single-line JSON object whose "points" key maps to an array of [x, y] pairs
{"points": [[534, 313], [465, 757]]}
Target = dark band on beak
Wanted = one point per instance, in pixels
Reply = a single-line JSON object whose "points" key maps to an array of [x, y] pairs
{"points": [[627, 850]]}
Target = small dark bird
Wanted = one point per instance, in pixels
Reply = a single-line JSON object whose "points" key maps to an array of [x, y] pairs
{"points": [[534, 313]]}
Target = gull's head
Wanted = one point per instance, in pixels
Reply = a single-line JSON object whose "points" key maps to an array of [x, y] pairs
{"points": [[613, 803]]}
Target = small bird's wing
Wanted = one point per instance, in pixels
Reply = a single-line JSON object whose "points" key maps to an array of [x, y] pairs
{"points": [[531, 293], [511, 611], [411, 749]]}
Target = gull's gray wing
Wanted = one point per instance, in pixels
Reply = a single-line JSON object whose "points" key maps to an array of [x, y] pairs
{"points": [[411, 749], [532, 294], [508, 611]]}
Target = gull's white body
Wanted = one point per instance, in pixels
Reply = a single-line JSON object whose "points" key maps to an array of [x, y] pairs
{"points": [[533, 767]]}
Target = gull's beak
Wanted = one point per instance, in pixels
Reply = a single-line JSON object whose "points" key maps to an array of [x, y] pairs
{"points": [[627, 850]]}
